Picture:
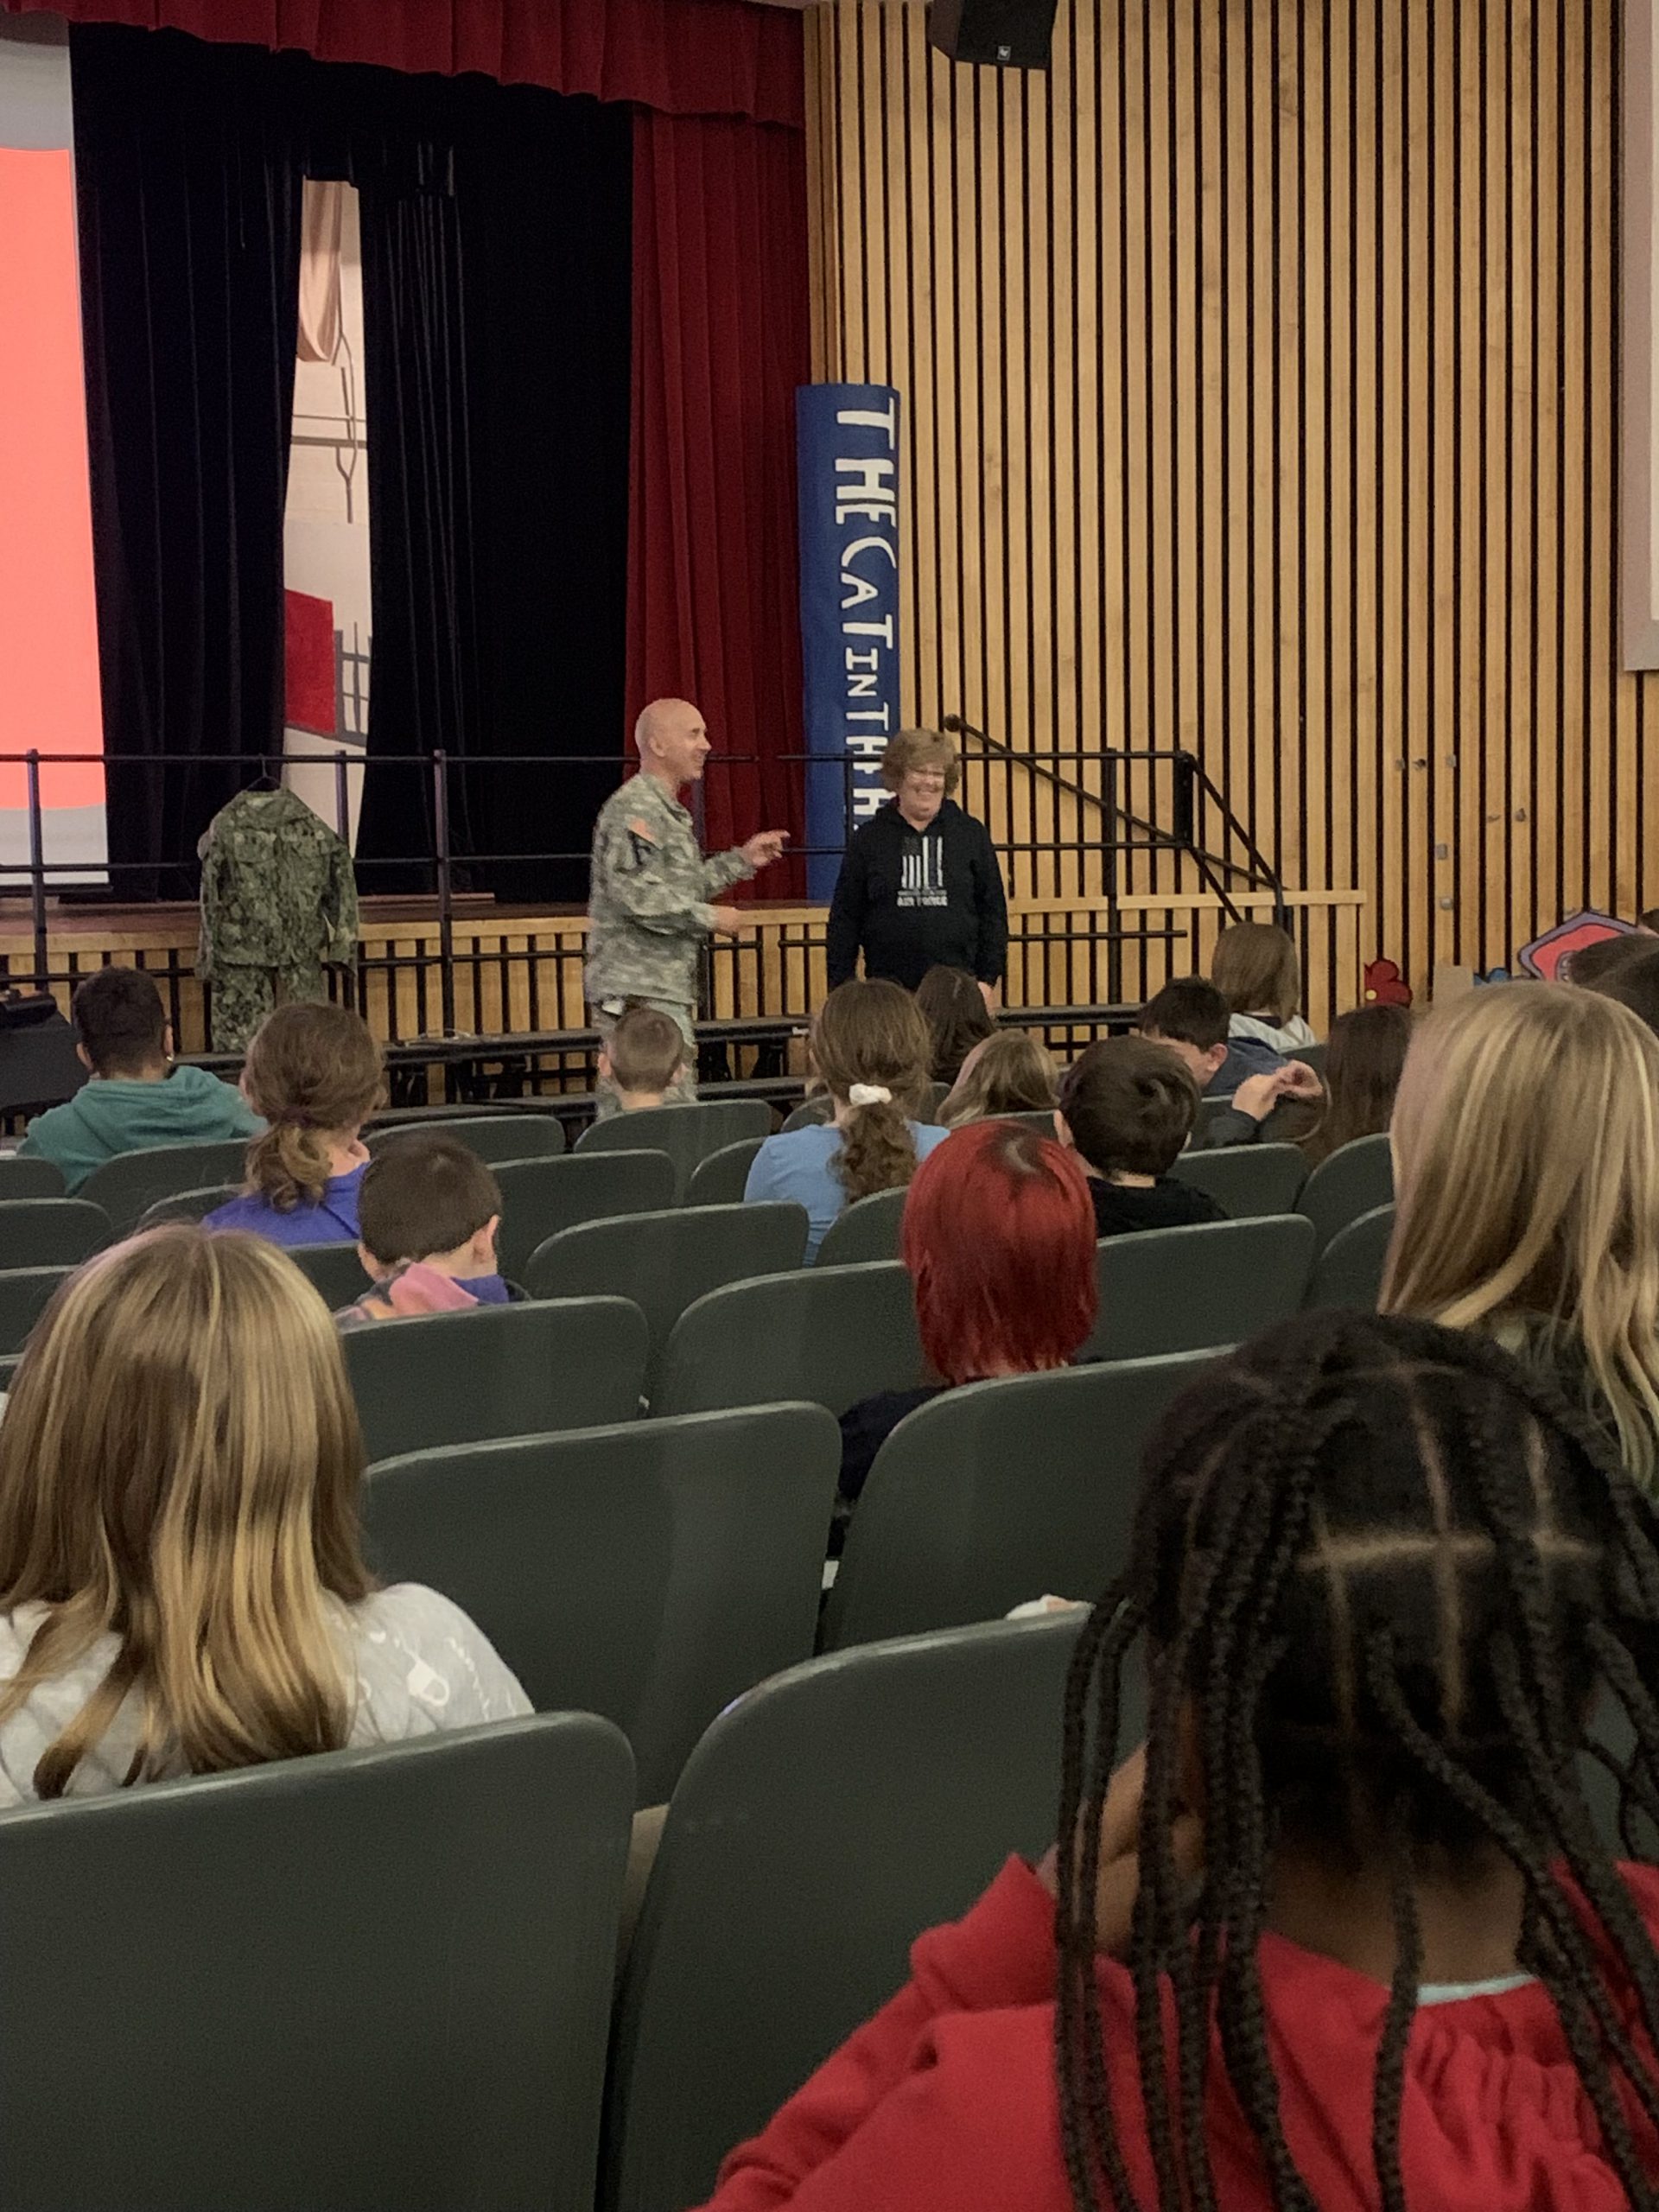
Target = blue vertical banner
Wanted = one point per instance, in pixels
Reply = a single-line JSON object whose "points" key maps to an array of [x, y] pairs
{"points": [[847, 449]]}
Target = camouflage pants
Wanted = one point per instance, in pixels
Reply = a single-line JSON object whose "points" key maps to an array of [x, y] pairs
{"points": [[243, 996], [683, 1091]]}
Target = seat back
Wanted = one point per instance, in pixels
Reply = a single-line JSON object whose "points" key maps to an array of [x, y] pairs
{"points": [[1210, 1112], [51, 1232], [28, 1179], [998, 1492], [1246, 1180], [665, 1261], [822, 1824], [127, 1186], [187, 1206], [830, 1335], [1313, 1056], [722, 1177], [333, 1270], [24, 1295], [502, 1370], [1354, 1180], [375, 1981], [649, 1571], [1348, 1272], [687, 1133], [866, 1230], [1185, 1289], [812, 1113], [494, 1137], [541, 1196]]}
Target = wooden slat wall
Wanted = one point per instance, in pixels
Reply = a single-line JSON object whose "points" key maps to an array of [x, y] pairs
{"points": [[1260, 374]]}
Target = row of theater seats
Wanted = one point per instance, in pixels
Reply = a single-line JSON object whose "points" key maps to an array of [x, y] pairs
{"points": [[692, 1311], [386, 1980], [651, 1570], [564, 1232]]}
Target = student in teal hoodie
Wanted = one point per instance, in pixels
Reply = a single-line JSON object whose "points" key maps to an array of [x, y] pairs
{"points": [[136, 1098]]}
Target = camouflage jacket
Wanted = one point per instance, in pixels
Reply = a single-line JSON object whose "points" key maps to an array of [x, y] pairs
{"points": [[276, 888], [649, 900]]}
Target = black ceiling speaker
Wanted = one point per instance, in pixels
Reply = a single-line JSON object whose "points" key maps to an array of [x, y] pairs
{"points": [[1004, 33]]}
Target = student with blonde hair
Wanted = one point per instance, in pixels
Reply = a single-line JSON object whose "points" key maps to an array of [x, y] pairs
{"points": [[316, 1073], [869, 1049], [642, 1059], [182, 1584], [1257, 972], [1526, 1160], [1009, 1073]]}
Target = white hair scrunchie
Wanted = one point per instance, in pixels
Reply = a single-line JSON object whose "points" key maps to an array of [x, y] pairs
{"points": [[870, 1093]]}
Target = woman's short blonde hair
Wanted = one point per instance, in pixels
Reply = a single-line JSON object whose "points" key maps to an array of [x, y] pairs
{"points": [[915, 750], [1526, 1158], [179, 1468]]}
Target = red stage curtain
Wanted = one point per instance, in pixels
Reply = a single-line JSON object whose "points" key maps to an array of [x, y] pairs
{"points": [[720, 343], [683, 57]]}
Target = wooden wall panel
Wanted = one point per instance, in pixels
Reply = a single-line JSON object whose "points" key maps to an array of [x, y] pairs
{"points": [[1260, 373]]}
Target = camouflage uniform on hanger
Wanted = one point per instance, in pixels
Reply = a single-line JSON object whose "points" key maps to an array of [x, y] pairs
{"points": [[649, 915], [278, 902]]}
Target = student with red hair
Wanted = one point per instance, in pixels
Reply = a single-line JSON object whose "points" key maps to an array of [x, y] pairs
{"points": [[999, 1238]]}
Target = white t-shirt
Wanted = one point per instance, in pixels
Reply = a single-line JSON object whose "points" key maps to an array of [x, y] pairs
{"points": [[420, 1665]]}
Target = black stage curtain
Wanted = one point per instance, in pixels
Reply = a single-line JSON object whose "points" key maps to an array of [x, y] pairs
{"points": [[496, 237], [497, 304], [189, 203]]}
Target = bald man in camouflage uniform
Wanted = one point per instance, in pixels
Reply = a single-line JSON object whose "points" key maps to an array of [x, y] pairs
{"points": [[649, 910]]}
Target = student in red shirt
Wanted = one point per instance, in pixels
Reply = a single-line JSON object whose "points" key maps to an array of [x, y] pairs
{"points": [[1343, 1935]]}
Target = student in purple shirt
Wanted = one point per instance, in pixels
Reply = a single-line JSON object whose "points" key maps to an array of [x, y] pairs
{"points": [[315, 1074]]}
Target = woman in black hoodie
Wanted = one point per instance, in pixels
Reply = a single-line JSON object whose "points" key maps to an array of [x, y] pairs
{"points": [[919, 887]]}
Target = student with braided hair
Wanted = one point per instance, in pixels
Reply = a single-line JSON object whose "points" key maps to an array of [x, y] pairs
{"points": [[1345, 1935], [869, 1049]]}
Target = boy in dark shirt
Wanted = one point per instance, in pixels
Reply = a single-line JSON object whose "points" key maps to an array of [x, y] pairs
{"points": [[1126, 1108]]}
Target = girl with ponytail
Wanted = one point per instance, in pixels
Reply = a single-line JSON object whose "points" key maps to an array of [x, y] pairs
{"points": [[314, 1073], [871, 1051]]}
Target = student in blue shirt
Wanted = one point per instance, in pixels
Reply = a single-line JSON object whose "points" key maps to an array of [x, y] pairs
{"points": [[873, 1053], [314, 1073]]}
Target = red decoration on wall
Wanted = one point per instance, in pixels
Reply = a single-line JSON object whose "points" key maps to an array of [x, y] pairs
{"points": [[309, 662], [1385, 985], [1545, 954]]}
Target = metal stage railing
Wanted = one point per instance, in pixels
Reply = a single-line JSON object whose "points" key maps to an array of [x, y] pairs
{"points": [[1071, 825]]}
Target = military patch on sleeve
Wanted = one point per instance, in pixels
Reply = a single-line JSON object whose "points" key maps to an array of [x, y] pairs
{"points": [[643, 840]]}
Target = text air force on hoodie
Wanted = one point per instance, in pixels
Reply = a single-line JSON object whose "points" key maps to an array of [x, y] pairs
{"points": [[918, 899], [118, 1114]]}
